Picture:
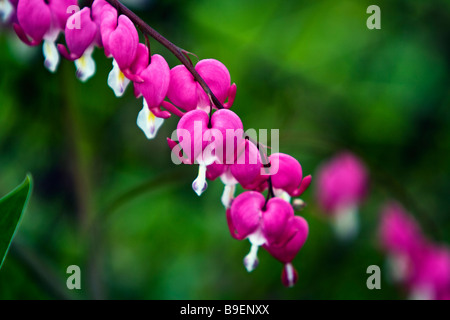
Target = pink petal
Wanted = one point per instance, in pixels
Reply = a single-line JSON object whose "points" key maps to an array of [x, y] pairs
{"points": [[107, 23], [306, 182], [190, 130], [286, 172], [215, 170], [123, 43], [78, 40], [216, 76], [59, 12], [34, 17], [156, 81], [230, 126], [141, 61], [294, 239], [245, 213], [183, 88], [342, 181], [275, 220], [247, 168]]}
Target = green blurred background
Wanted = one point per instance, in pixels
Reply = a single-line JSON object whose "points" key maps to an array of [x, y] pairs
{"points": [[107, 199]]}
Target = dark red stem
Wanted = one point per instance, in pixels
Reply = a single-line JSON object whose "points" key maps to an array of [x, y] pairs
{"points": [[177, 51]]}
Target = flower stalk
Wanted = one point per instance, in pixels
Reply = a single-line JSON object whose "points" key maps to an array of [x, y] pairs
{"points": [[179, 53]]}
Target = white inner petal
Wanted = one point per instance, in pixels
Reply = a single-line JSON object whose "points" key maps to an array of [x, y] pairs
{"points": [[280, 193], [117, 80], [227, 178], [51, 55], [148, 122], [346, 223], [290, 273], [251, 259], [228, 194], [199, 185], [6, 10], [85, 65]]}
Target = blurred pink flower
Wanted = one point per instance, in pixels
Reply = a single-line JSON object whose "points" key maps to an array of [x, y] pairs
{"points": [[342, 184], [420, 266]]}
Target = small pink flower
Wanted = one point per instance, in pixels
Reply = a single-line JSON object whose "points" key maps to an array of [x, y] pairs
{"points": [[287, 176], [123, 43], [204, 142], [39, 20], [295, 238], [431, 278], [422, 267], [80, 41], [399, 232], [35, 20], [187, 94], [263, 224], [105, 16], [155, 82], [342, 184]]}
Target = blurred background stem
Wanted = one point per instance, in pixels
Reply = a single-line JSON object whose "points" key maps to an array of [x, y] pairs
{"points": [[79, 155]]}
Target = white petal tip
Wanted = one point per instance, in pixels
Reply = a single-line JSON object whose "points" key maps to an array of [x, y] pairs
{"points": [[51, 55], [85, 66], [117, 80], [199, 187], [148, 122], [251, 259]]}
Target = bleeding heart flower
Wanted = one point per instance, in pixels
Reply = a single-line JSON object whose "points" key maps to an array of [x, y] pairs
{"points": [[342, 184], [402, 238], [431, 278], [250, 217], [295, 238], [287, 176], [187, 94], [155, 81], [40, 20], [204, 141], [398, 231], [80, 42]]}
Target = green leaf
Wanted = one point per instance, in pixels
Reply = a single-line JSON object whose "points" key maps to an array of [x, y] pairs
{"points": [[12, 207]]}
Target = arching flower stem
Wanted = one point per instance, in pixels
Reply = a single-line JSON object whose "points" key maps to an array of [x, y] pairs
{"points": [[176, 51]]}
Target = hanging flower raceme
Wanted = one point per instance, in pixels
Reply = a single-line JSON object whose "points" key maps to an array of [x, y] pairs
{"points": [[39, 20], [208, 133], [81, 41], [187, 94], [270, 223], [342, 184]]}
